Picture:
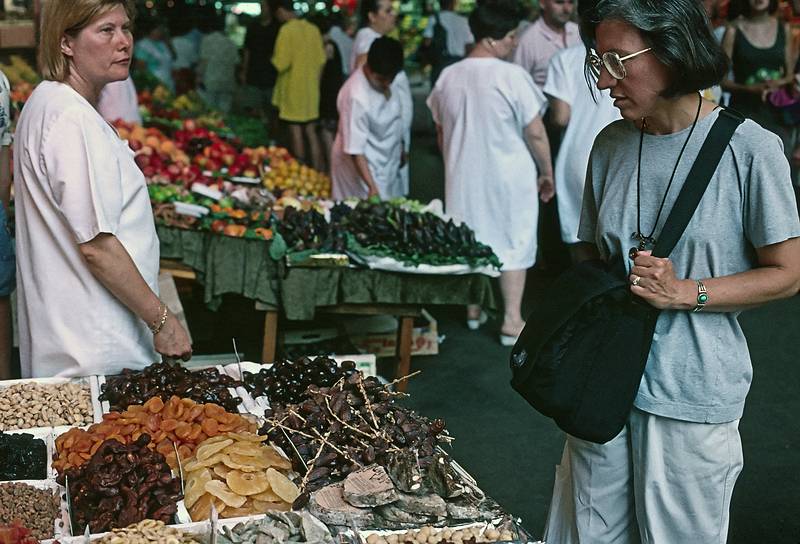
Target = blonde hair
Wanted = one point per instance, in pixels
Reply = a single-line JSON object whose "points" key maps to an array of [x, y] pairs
{"points": [[69, 17]]}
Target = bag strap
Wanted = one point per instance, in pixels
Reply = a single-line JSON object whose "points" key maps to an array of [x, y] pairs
{"points": [[697, 181]]}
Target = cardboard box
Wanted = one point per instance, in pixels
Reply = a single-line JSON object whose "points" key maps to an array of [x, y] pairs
{"points": [[383, 343]]}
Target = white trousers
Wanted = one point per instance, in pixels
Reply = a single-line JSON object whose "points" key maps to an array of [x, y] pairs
{"points": [[660, 481]]}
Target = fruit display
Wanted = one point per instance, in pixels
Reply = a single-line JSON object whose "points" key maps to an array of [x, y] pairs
{"points": [[32, 507], [277, 528], [120, 485], [145, 532], [165, 380], [287, 176], [240, 475], [29, 405], [387, 230], [372, 228], [177, 425], [22, 457], [287, 380], [336, 430], [15, 533], [444, 535]]}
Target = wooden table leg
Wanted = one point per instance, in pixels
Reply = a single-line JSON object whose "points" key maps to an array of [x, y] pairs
{"points": [[270, 336], [404, 334]]}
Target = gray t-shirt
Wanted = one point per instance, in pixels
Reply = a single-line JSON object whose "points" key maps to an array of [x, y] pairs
{"points": [[699, 366]]}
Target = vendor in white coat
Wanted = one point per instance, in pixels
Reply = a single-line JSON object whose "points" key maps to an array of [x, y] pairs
{"points": [[583, 112], [379, 19], [496, 154], [367, 151], [87, 251]]}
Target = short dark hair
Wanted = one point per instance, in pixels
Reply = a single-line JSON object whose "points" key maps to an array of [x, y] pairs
{"points": [[385, 57], [679, 33], [365, 8], [495, 18], [275, 5], [742, 7]]}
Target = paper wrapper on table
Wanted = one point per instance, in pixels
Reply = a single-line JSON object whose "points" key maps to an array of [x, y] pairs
{"points": [[378, 335], [387, 264]]}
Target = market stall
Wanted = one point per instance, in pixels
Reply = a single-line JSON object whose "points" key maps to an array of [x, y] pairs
{"points": [[302, 451]]}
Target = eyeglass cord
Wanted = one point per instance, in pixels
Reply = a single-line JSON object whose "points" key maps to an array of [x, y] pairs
{"points": [[671, 178]]}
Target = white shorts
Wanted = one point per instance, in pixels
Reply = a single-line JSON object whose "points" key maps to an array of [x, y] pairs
{"points": [[660, 481]]}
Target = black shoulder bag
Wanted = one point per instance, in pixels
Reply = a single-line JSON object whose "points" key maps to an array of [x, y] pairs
{"points": [[583, 351]]}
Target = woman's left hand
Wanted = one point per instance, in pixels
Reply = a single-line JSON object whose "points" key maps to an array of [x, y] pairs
{"points": [[653, 279]]}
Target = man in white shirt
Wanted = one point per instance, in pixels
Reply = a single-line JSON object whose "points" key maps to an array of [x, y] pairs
{"points": [[550, 33], [459, 38], [368, 150]]}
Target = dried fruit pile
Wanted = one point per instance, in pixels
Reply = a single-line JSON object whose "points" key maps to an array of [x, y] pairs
{"points": [[287, 380], [22, 457], [336, 430], [469, 535], [29, 405], [16, 534], [178, 424], [120, 485], [165, 380], [37, 509], [145, 532], [277, 528], [239, 475]]}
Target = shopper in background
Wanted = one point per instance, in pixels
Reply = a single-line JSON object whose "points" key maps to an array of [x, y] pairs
{"points": [[458, 38], [580, 113], [670, 473], [340, 33], [7, 259], [153, 52], [186, 56], [330, 84], [88, 255], [497, 159], [299, 58], [219, 60], [378, 18], [258, 73], [119, 101], [550, 33], [367, 152], [759, 46]]}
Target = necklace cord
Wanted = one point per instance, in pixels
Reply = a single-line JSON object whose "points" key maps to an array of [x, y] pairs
{"points": [[638, 234]]}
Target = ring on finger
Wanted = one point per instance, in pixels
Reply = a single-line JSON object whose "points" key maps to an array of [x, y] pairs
{"points": [[635, 281]]}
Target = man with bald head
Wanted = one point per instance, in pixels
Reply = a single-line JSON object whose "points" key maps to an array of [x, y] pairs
{"points": [[550, 33]]}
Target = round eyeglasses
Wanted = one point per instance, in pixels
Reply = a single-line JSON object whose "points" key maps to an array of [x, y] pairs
{"points": [[612, 62]]}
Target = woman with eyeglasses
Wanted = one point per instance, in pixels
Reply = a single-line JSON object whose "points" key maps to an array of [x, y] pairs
{"points": [[669, 475], [496, 154]]}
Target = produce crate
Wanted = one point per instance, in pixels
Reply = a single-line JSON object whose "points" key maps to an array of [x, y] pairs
{"points": [[382, 341]]}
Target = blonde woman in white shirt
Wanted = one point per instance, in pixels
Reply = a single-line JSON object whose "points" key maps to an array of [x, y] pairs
{"points": [[88, 255]]}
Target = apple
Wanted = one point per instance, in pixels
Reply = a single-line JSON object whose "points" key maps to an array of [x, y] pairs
{"points": [[148, 171], [142, 161], [228, 159], [250, 173], [135, 145]]}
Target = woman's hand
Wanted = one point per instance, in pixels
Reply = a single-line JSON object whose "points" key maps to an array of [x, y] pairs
{"points": [[172, 342], [547, 188], [653, 279]]}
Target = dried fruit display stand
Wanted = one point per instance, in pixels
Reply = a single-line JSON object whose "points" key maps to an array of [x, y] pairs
{"points": [[305, 451]]}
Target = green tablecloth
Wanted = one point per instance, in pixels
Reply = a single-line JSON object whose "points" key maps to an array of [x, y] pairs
{"points": [[231, 265]]}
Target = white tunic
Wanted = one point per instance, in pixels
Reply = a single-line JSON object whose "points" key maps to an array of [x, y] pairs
{"points": [[566, 81], [401, 86], [369, 125], [459, 36], [74, 179], [118, 100], [483, 106]]}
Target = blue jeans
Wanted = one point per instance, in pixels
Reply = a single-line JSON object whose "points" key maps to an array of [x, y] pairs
{"points": [[8, 263]]}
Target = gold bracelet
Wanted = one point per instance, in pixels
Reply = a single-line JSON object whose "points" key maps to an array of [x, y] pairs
{"points": [[156, 327]]}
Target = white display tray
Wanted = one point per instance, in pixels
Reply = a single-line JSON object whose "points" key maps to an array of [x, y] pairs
{"points": [[60, 525], [391, 265], [193, 210], [91, 381]]}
